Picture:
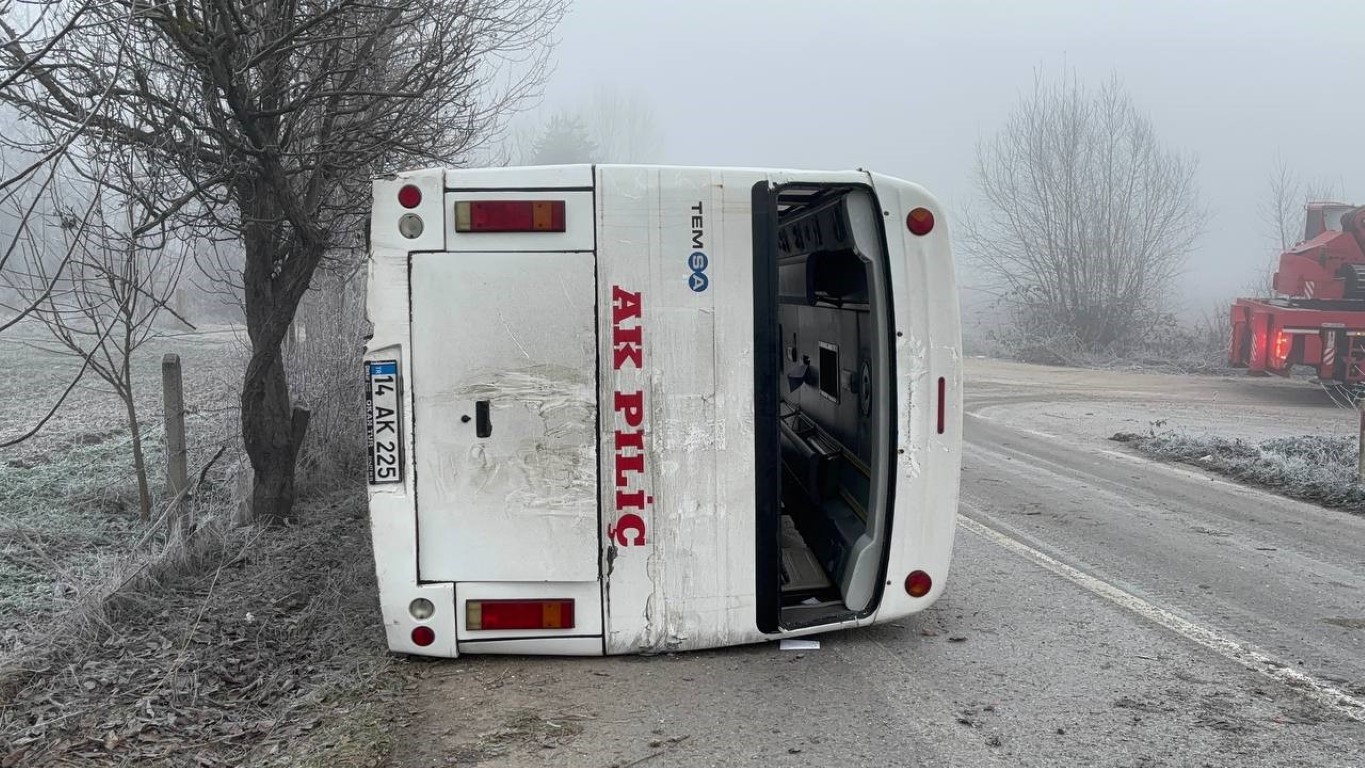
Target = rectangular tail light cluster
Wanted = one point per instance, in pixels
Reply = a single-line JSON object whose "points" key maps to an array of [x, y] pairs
{"points": [[509, 216], [518, 614]]}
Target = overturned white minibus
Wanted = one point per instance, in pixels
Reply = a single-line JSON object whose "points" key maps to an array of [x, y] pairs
{"points": [[628, 409]]}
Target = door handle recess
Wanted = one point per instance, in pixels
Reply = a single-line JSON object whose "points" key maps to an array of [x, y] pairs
{"points": [[483, 424]]}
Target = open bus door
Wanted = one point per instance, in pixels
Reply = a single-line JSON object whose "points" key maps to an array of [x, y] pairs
{"points": [[824, 407]]}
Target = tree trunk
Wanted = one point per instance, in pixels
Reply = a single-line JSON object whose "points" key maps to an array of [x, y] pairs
{"points": [[144, 496], [274, 279], [267, 431]]}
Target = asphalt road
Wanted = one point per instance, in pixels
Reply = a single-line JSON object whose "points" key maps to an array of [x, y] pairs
{"points": [[1103, 610]]}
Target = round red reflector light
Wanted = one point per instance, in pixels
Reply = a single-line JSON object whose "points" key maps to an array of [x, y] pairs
{"points": [[920, 221], [918, 584], [409, 196], [423, 636]]}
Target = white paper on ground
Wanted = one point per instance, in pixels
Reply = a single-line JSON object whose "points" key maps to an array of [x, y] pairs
{"points": [[799, 644]]}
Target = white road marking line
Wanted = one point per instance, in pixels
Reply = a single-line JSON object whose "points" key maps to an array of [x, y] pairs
{"points": [[1241, 653]]}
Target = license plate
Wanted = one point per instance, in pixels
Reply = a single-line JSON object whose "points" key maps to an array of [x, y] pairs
{"points": [[381, 407]]}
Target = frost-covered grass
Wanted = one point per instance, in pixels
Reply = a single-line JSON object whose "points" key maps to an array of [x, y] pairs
{"points": [[1167, 345], [68, 496], [57, 517], [1314, 468]]}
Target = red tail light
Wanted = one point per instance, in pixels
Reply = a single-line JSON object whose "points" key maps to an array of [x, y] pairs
{"points": [[423, 636], [409, 196], [1281, 350], [918, 584], [519, 614], [920, 221], [509, 216]]}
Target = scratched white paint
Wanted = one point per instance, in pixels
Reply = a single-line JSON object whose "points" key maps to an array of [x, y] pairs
{"points": [[519, 504], [927, 314], [691, 585], [393, 525], [549, 476]]}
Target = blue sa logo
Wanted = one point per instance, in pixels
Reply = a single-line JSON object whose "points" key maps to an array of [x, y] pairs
{"points": [[697, 262]]}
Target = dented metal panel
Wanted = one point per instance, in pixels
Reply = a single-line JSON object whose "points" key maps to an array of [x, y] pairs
{"points": [[504, 343], [675, 272]]}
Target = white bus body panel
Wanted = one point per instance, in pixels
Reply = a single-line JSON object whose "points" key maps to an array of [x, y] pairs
{"points": [[687, 580], [517, 332], [393, 527], [673, 523], [928, 347]]}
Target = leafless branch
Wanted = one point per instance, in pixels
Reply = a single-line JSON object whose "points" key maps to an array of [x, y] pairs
{"points": [[268, 118], [103, 306]]}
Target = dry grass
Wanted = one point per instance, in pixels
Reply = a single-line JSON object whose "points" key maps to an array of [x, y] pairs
{"points": [[324, 372], [233, 652], [239, 646]]}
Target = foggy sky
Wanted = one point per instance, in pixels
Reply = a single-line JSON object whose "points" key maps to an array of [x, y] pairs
{"points": [[908, 88]]}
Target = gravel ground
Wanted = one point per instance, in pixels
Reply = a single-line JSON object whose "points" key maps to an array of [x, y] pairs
{"points": [[266, 649]]}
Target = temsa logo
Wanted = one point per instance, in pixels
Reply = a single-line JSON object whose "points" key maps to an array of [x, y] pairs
{"points": [[627, 351]]}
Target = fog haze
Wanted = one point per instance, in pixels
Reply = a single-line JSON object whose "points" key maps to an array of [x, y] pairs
{"points": [[908, 88]]}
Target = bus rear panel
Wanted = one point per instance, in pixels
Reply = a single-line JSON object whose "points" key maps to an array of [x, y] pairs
{"points": [[627, 409]]}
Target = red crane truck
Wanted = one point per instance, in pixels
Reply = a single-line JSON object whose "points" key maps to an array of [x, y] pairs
{"points": [[1317, 317]]}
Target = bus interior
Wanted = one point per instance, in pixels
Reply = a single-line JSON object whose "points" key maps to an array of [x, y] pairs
{"points": [[823, 411]]}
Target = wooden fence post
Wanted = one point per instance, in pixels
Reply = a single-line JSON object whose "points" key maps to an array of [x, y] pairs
{"points": [[177, 462]]}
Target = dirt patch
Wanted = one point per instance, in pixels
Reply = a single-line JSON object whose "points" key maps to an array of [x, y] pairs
{"points": [[490, 711], [1345, 623], [265, 648]]}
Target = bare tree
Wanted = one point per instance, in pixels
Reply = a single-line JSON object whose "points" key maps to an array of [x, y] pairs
{"points": [[1088, 215], [273, 115], [32, 172], [320, 361], [105, 303], [622, 125], [1282, 216], [1283, 209]]}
